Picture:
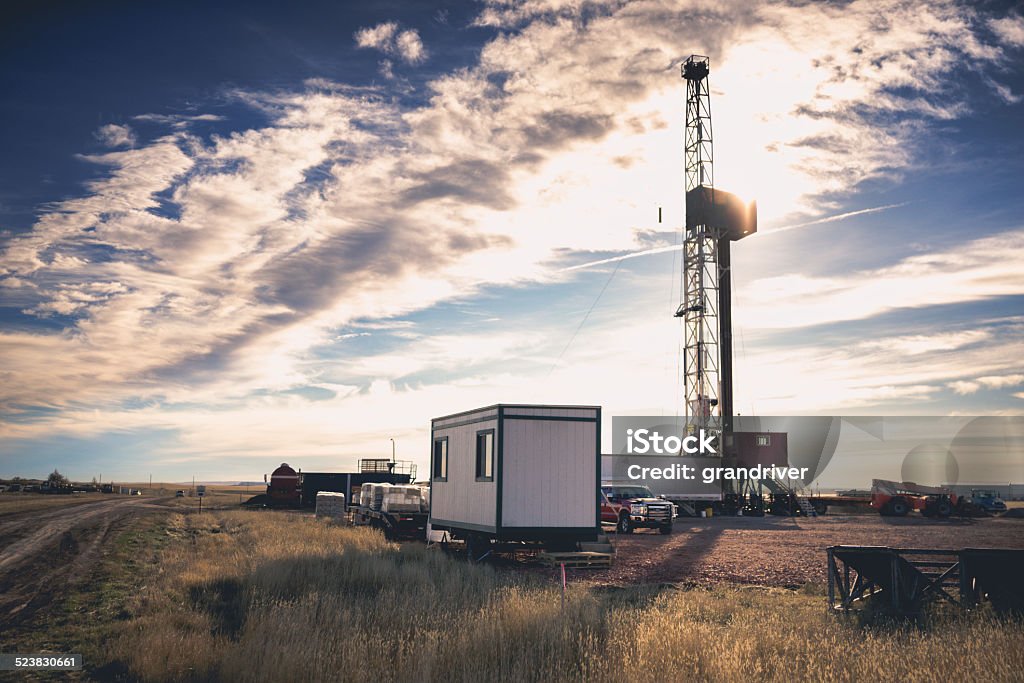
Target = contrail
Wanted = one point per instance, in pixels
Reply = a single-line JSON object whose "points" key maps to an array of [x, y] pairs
{"points": [[679, 247], [635, 254], [837, 217]]}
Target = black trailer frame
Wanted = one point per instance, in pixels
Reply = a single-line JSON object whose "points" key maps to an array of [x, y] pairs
{"points": [[394, 525], [905, 578]]}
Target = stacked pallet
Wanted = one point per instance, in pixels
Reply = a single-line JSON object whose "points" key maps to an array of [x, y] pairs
{"points": [[330, 505], [401, 498], [377, 495], [371, 495]]}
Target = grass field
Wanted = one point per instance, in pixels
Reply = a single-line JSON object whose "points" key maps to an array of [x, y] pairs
{"points": [[220, 497], [29, 502], [238, 595]]}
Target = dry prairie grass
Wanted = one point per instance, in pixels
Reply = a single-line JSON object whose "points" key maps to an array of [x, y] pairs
{"points": [[257, 596], [30, 502]]}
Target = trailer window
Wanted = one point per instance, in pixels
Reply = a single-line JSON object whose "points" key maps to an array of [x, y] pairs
{"points": [[485, 455], [764, 440], [440, 472]]}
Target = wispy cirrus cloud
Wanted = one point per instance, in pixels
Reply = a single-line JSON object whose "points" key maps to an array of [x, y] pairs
{"points": [[178, 120], [206, 270], [979, 269]]}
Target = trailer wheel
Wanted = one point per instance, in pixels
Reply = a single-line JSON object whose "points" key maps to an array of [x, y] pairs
{"points": [[820, 507], [898, 507], [943, 508], [625, 526]]}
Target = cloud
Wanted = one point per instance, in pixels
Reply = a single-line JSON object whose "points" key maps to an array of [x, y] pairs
{"points": [[113, 135], [211, 271], [964, 387], [178, 121], [410, 48], [910, 372], [1010, 29], [978, 269], [916, 344], [405, 45], [511, 13], [381, 36]]}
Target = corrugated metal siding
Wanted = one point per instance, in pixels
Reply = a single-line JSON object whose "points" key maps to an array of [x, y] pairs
{"points": [[462, 498], [549, 470]]}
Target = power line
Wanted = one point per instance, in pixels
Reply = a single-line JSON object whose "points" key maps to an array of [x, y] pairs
{"points": [[587, 315]]}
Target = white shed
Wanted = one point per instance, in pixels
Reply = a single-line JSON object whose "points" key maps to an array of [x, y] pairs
{"points": [[517, 473]]}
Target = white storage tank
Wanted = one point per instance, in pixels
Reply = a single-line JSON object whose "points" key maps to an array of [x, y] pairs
{"points": [[517, 473]]}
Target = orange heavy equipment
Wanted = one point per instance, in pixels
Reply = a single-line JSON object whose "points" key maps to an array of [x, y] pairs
{"points": [[897, 498]]}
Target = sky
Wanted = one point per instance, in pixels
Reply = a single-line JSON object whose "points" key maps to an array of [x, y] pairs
{"points": [[234, 234]]}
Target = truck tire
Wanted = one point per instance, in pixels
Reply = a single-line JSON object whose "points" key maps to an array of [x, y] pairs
{"points": [[898, 507], [943, 508], [666, 528], [625, 526]]}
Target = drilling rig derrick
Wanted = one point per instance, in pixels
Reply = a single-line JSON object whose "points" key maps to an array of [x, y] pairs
{"points": [[714, 219]]}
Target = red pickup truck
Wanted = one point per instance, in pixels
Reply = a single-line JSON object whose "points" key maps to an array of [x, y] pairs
{"points": [[631, 507]]}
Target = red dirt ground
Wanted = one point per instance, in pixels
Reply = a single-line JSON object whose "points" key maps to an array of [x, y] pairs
{"points": [[781, 551]]}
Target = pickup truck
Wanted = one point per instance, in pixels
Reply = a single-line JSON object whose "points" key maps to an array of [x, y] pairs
{"points": [[631, 507], [987, 500]]}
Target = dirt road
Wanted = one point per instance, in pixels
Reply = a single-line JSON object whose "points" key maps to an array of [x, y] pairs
{"points": [[43, 552]]}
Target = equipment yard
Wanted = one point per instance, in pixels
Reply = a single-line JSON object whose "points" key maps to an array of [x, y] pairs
{"points": [[783, 551]]}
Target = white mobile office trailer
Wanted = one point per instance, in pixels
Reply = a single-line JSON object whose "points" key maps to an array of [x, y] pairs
{"points": [[517, 473]]}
